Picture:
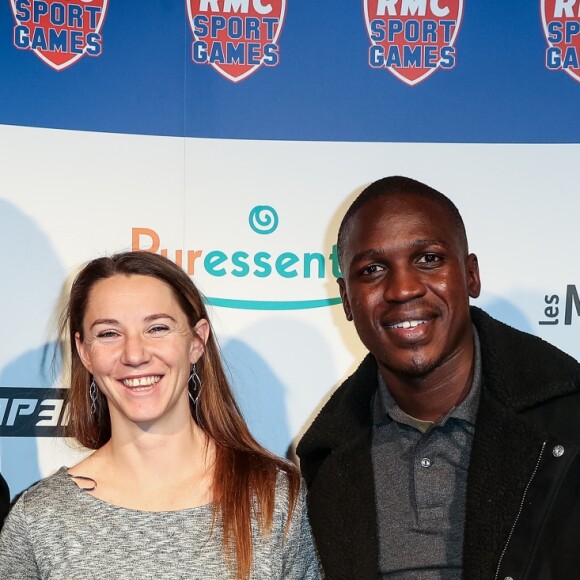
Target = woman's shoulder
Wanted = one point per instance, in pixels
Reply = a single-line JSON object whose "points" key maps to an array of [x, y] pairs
{"points": [[290, 495], [287, 479], [49, 491], [42, 500], [47, 487]]}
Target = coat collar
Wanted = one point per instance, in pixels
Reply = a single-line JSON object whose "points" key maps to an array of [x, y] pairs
{"points": [[346, 415], [519, 370], [522, 370]]}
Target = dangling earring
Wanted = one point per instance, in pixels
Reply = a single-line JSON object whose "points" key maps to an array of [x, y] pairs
{"points": [[93, 396], [195, 382]]}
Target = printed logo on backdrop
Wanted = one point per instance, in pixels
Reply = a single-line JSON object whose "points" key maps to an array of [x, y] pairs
{"points": [[561, 308], [31, 412], [561, 21], [236, 37], [263, 269], [412, 38], [60, 33]]}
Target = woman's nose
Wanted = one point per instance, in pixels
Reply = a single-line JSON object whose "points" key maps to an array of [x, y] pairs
{"points": [[135, 352]]}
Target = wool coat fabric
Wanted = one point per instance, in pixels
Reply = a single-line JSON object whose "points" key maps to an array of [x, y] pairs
{"points": [[523, 491]]}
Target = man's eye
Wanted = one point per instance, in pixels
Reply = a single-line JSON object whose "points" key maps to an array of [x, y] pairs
{"points": [[372, 269], [429, 259]]}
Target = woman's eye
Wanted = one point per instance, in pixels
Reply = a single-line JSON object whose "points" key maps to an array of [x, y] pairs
{"points": [[159, 328], [107, 334]]}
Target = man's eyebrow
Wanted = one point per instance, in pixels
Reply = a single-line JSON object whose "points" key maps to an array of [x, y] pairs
{"points": [[369, 254], [433, 242], [373, 253]]}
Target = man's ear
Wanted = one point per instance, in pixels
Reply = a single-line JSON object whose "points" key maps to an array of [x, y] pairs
{"points": [[472, 276], [83, 352], [344, 296]]}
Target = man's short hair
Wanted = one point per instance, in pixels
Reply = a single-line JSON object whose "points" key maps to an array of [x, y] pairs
{"points": [[398, 185]]}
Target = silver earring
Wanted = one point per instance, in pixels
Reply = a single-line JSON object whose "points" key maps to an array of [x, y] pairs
{"points": [[93, 396], [195, 383]]}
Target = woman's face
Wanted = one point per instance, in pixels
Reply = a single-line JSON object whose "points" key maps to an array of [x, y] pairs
{"points": [[139, 348]]}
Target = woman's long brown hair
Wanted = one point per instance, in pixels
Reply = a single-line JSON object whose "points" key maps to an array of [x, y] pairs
{"points": [[244, 478]]}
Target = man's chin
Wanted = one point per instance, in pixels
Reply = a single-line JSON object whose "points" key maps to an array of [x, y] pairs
{"points": [[415, 368]]}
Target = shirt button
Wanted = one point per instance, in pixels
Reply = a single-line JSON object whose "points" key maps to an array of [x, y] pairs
{"points": [[558, 451], [425, 462]]}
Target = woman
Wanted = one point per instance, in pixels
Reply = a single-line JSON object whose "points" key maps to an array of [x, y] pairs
{"points": [[177, 487]]}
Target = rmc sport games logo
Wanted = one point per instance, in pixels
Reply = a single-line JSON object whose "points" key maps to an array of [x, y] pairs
{"points": [[60, 33], [412, 38], [262, 265], [236, 37], [561, 21]]}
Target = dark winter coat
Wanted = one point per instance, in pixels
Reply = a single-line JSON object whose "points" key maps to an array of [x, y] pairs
{"points": [[4, 500], [523, 491]]}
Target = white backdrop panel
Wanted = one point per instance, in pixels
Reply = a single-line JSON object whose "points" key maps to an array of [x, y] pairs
{"points": [[66, 197]]}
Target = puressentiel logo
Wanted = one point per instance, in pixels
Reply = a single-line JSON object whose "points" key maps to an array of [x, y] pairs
{"points": [[412, 38], [60, 33], [236, 37], [561, 21], [259, 269]]}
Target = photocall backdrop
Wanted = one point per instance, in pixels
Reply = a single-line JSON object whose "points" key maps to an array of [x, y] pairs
{"points": [[231, 135]]}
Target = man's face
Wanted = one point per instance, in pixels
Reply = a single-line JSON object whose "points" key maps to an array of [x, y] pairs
{"points": [[407, 282]]}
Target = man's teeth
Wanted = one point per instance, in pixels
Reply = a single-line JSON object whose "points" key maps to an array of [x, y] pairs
{"points": [[142, 381], [408, 324]]}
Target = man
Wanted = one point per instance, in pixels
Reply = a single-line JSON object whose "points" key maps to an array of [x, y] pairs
{"points": [[453, 451], [4, 500]]}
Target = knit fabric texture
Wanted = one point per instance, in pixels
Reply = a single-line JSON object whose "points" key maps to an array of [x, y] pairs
{"points": [[57, 531]]}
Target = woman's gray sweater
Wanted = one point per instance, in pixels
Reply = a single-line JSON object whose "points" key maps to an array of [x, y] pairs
{"points": [[57, 531]]}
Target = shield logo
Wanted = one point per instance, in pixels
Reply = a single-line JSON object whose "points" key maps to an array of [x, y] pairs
{"points": [[412, 38], [561, 23], [236, 37], [60, 32]]}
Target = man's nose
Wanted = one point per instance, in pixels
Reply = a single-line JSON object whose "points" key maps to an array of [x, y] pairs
{"points": [[403, 284]]}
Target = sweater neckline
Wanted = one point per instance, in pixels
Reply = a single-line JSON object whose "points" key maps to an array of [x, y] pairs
{"points": [[86, 497]]}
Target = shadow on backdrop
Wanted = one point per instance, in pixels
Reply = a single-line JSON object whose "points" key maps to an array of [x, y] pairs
{"points": [[507, 312], [31, 282], [260, 395], [279, 411]]}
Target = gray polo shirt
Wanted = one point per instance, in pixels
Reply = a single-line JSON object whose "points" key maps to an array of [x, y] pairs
{"points": [[420, 473]]}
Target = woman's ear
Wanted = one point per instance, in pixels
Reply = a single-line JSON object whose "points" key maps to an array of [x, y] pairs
{"points": [[200, 335], [83, 354]]}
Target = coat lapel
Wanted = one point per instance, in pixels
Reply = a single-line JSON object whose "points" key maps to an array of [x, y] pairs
{"points": [[337, 465], [343, 513], [504, 455]]}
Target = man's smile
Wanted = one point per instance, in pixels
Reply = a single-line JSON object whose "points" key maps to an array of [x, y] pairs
{"points": [[407, 324]]}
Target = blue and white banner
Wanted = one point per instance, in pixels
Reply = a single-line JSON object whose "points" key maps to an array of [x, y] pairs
{"points": [[231, 136]]}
